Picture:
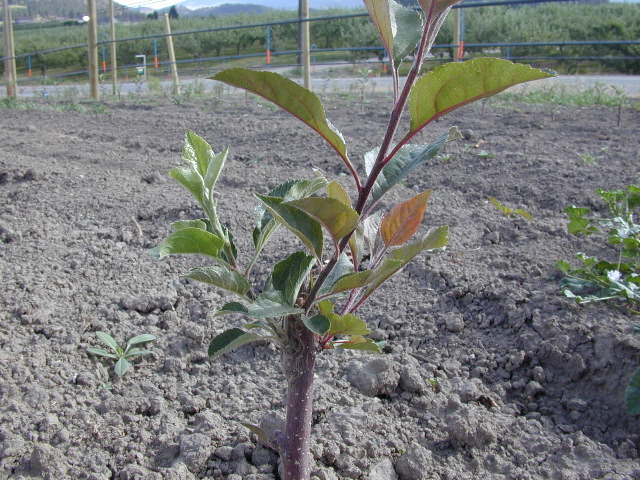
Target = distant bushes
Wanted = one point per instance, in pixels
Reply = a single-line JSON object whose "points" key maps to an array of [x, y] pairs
{"points": [[530, 23]]}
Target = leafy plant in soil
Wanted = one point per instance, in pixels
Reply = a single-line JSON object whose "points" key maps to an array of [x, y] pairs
{"points": [[600, 280], [308, 303], [510, 212], [120, 355]]}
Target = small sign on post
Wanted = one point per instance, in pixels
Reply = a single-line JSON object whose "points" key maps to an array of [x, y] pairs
{"points": [[141, 66]]}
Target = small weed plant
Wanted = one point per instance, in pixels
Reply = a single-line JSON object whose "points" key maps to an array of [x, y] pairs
{"points": [[120, 355], [308, 304], [510, 212], [607, 280], [603, 280]]}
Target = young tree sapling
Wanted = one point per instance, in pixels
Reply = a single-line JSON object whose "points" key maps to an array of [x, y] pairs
{"points": [[309, 301]]}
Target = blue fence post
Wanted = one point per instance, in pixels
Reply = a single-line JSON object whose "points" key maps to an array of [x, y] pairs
{"points": [[268, 44], [155, 53]]}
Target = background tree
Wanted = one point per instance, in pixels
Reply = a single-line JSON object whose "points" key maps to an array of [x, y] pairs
{"points": [[173, 12]]}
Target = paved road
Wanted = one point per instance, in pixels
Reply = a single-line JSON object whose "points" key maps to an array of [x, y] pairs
{"points": [[630, 83]]}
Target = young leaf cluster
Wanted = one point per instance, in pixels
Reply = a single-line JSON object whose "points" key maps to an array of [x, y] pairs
{"points": [[120, 355], [510, 212], [314, 210], [309, 301], [617, 279]]}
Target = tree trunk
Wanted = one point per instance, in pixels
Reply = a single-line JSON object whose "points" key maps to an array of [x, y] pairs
{"points": [[298, 362]]}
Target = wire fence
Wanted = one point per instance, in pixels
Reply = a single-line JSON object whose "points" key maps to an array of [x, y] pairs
{"points": [[536, 53]]}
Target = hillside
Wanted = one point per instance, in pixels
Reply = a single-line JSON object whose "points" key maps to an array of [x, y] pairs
{"points": [[225, 9], [24, 11]]}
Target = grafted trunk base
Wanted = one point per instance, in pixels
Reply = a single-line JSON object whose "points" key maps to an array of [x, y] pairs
{"points": [[298, 362]]}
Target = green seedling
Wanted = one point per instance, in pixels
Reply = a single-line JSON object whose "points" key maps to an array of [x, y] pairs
{"points": [[485, 154], [308, 303], [588, 158], [121, 356], [510, 212], [601, 280]]}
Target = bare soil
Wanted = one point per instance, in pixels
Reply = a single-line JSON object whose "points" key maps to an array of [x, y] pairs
{"points": [[488, 373]]}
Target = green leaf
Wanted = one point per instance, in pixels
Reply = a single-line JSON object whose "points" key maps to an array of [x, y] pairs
{"points": [[304, 227], [291, 190], [232, 307], [318, 324], [563, 266], [342, 267], [199, 154], [338, 218], [190, 241], [221, 277], [288, 95], [578, 224], [399, 257], [261, 235], [101, 352], [108, 340], [524, 214], [402, 222], [289, 275], [436, 238], [270, 305], [351, 281], [337, 191], [632, 395], [137, 352], [382, 272], [347, 324], [358, 342], [191, 180], [399, 27], [371, 231], [504, 209], [508, 212], [230, 339], [260, 433], [196, 152], [405, 161], [138, 339], [456, 84], [409, 24], [122, 366], [182, 224]]}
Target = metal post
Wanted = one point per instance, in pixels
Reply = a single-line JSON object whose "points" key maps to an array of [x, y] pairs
{"points": [[155, 53], [93, 50], [461, 52], [114, 61], [268, 44], [305, 47], [172, 56], [9, 51], [456, 34]]}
